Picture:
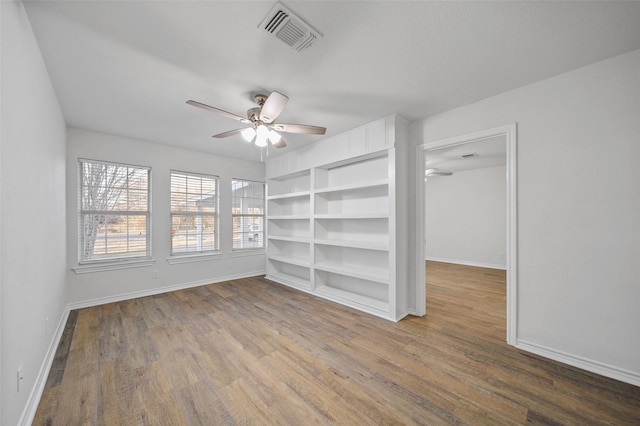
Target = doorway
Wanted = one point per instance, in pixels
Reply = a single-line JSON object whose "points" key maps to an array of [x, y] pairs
{"points": [[440, 159]]}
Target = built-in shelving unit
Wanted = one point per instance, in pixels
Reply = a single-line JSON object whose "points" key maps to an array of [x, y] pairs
{"points": [[289, 229], [351, 231], [331, 226]]}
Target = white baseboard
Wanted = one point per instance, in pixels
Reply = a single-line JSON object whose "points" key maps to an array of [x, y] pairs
{"points": [[160, 290], [33, 400], [412, 311], [31, 406], [581, 362], [468, 263]]}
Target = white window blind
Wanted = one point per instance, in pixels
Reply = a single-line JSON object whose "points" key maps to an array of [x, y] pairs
{"points": [[248, 214], [114, 215], [194, 213]]}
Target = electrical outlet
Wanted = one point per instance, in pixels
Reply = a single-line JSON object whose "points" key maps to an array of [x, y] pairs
{"points": [[19, 378], [155, 274]]}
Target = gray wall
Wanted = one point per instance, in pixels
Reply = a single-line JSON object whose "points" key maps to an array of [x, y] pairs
{"points": [[33, 223], [100, 287], [465, 218], [578, 209]]}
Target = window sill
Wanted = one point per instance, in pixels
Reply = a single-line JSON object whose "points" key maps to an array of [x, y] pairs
{"points": [[247, 252], [112, 266], [188, 258]]}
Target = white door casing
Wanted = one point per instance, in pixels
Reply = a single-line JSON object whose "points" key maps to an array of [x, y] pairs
{"points": [[510, 133]]}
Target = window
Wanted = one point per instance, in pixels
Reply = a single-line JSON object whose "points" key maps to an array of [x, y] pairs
{"points": [[194, 213], [248, 214], [114, 216]]}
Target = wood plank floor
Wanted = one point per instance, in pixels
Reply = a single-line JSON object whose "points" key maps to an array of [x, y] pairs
{"points": [[254, 352]]}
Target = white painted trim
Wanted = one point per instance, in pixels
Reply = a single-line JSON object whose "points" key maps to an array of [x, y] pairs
{"points": [[249, 252], [468, 263], [160, 290], [509, 132], [392, 229], [1, 198], [580, 362], [512, 235], [112, 266], [421, 241], [188, 258], [348, 302], [30, 408]]}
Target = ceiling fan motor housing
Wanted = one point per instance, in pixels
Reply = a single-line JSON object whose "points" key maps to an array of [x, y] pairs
{"points": [[254, 114], [260, 99]]}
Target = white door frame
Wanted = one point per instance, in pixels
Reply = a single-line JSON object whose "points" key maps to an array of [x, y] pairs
{"points": [[509, 132]]}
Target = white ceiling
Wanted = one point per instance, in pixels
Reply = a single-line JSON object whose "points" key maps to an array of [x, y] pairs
{"points": [[489, 152], [127, 67]]}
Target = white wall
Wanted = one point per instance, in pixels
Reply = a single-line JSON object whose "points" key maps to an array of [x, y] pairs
{"points": [[578, 209], [32, 197], [99, 287], [465, 218]]}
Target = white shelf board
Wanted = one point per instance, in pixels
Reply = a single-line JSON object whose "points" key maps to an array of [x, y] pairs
{"points": [[289, 280], [384, 152], [354, 298], [369, 245], [353, 186], [351, 216], [288, 217], [292, 239], [299, 261], [289, 195], [289, 176], [371, 273]]}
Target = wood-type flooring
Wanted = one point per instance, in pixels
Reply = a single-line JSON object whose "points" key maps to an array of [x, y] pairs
{"points": [[251, 351]]}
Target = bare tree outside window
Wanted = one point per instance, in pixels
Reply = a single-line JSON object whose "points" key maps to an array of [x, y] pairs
{"points": [[114, 215]]}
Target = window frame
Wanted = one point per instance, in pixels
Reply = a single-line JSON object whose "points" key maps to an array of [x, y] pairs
{"points": [[138, 260], [191, 254], [241, 215]]}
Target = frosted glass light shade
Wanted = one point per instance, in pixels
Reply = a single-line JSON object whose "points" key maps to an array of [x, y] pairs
{"points": [[248, 134], [262, 133], [274, 136]]}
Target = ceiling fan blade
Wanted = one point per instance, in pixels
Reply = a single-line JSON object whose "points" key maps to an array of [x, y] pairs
{"points": [[279, 143], [229, 133], [300, 128], [218, 111], [272, 107]]}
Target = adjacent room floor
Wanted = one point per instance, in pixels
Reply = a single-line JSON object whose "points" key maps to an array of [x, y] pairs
{"points": [[252, 351]]}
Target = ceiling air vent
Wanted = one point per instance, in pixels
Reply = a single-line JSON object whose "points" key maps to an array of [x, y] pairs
{"points": [[289, 28]]}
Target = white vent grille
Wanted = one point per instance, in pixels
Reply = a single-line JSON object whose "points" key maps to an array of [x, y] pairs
{"points": [[289, 28]]}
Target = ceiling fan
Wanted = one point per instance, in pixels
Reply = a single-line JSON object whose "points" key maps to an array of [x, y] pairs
{"points": [[261, 119]]}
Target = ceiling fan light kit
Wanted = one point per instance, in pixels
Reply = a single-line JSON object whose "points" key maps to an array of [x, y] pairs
{"points": [[262, 134], [261, 118], [248, 134], [274, 136]]}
